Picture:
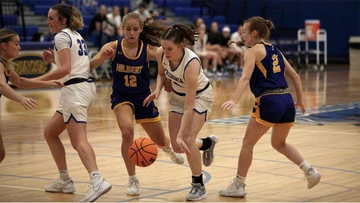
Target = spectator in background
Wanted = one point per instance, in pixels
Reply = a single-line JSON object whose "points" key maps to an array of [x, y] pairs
{"points": [[230, 54], [123, 11], [143, 11], [239, 51], [114, 22], [96, 32], [213, 44], [205, 55], [197, 22]]}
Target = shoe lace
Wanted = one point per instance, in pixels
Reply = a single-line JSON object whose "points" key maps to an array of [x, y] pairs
{"points": [[195, 188]]}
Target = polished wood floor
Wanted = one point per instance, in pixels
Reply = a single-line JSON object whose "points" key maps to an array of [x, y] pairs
{"points": [[333, 147]]}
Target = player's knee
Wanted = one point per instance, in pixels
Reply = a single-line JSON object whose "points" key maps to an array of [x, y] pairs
{"points": [[127, 136], [277, 145]]}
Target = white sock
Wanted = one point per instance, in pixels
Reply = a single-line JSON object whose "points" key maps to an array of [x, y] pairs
{"points": [[64, 175], [304, 166], [95, 176], [133, 177], [239, 180]]}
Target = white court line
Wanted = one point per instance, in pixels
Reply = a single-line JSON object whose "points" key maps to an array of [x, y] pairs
{"points": [[83, 193]]}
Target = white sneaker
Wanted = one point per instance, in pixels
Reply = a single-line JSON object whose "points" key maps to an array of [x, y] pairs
{"points": [[197, 192], [233, 191], [208, 155], [95, 190], [133, 187], [59, 185], [313, 177], [175, 157]]}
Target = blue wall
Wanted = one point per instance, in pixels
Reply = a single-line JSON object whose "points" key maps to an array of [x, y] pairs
{"points": [[340, 18]]}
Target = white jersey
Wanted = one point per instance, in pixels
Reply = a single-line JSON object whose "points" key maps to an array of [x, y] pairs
{"points": [[177, 76], [80, 62]]}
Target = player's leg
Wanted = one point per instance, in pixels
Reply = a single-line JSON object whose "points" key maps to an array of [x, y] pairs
{"points": [[156, 133], [253, 133], [51, 133], [2, 150], [125, 119], [197, 191]]}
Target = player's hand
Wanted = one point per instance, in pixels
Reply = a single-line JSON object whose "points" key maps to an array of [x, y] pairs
{"points": [[107, 53], [182, 145], [55, 83], [28, 103], [228, 105], [167, 85], [151, 97], [48, 55], [301, 106]]}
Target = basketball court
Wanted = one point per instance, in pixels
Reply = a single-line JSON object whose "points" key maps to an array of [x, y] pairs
{"points": [[328, 136]]}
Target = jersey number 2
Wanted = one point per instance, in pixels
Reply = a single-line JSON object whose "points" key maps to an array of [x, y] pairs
{"points": [[276, 67], [130, 81]]}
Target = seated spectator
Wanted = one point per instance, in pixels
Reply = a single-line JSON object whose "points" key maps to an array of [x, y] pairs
{"points": [[123, 11], [143, 11], [206, 56], [213, 44], [239, 51], [230, 53], [114, 23], [97, 25]]}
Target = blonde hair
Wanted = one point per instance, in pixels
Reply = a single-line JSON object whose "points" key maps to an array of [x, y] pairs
{"points": [[7, 35], [74, 19]]}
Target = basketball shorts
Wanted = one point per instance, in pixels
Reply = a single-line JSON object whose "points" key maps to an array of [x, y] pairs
{"points": [[75, 100], [203, 102], [274, 109], [142, 113]]}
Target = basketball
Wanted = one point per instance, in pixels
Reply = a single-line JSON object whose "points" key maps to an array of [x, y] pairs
{"points": [[143, 152]]}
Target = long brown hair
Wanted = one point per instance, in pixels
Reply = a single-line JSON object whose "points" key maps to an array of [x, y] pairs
{"points": [[261, 25], [151, 28], [179, 33]]}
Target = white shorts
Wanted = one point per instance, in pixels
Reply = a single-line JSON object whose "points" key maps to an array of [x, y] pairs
{"points": [[75, 100], [203, 102]]}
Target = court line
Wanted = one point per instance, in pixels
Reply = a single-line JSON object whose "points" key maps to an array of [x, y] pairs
{"points": [[76, 193], [164, 161]]}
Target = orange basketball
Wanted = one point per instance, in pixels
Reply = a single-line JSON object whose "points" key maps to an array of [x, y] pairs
{"points": [[143, 152]]}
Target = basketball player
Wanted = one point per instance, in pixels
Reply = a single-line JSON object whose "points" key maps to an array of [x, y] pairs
{"points": [[131, 83], [264, 69], [71, 58], [191, 100], [130, 56], [9, 49]]}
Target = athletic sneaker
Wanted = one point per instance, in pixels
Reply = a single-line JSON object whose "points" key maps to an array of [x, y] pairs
{"points": [[313, 177], [95, 190], [233, 191], [133, 187], [175, 157], [197, 192], [208, 155], [59, 185]]}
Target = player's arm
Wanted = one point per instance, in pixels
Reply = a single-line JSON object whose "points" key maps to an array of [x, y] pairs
{"points": [[106, 52], [6, 90], [191, 81], [161, 71], [249, 64], [26, 83], [62, 44], [289, 70]]}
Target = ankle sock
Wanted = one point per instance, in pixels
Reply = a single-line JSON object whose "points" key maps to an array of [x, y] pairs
{"points": [[198, 179], [64, 175]]}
